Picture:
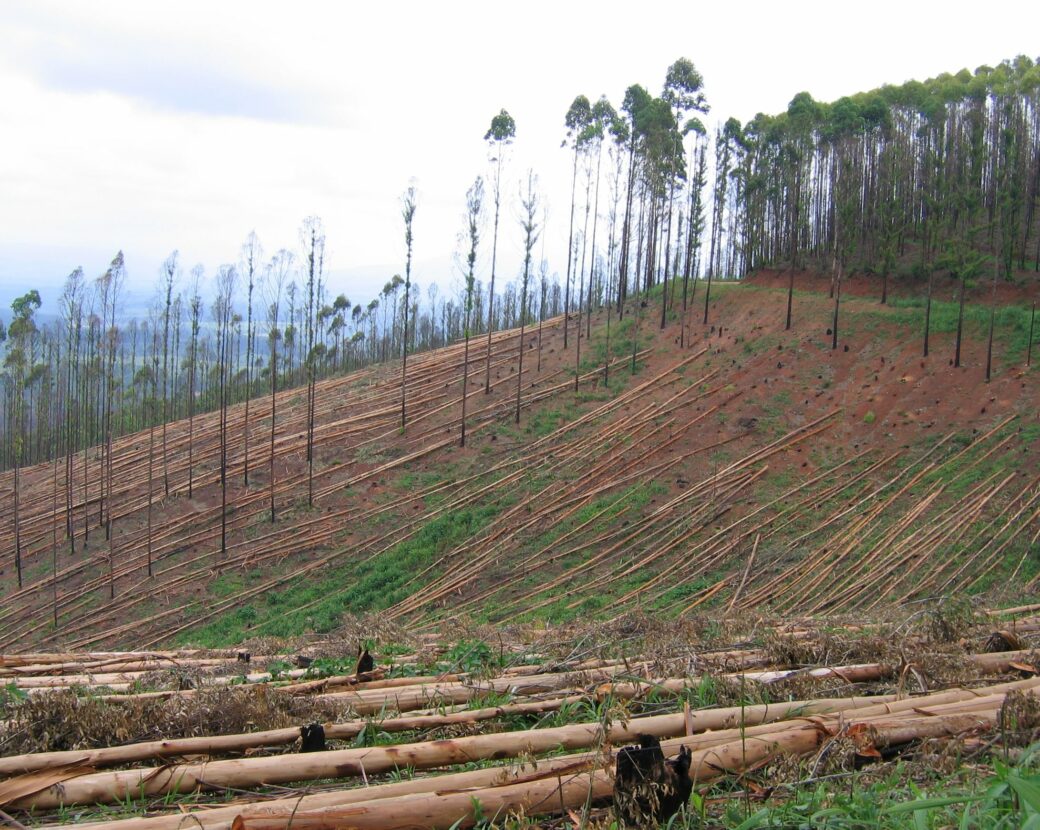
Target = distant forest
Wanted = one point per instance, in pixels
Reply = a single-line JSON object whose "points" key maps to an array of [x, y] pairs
{"points": [[902, 181]]}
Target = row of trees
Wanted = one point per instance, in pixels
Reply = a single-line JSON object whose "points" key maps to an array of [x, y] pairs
{"points": [[171, 364], [939, 175], [946, 171]]}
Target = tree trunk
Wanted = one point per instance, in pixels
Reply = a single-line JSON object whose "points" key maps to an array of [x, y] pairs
{"points": [[960, 327], [491, 288], [928, 314]]}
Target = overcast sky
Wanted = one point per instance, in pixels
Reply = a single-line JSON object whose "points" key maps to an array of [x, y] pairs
{"points": [[148, 126]]}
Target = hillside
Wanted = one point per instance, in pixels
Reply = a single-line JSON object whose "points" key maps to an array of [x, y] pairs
{"points": [[751, 469]]}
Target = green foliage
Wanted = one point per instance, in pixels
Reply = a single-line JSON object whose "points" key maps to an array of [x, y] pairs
{"points": [[372, 584], [502, 129]]}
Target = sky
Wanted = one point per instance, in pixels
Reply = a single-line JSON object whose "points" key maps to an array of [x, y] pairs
{"points": [[146, 127]]}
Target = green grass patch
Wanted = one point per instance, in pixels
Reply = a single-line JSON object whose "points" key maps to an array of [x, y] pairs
{"points": [[370, 585]]}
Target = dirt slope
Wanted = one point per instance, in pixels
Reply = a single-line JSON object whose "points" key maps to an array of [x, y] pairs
{"points": [[752, 467]]}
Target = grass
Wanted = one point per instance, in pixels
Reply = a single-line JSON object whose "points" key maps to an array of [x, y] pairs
{"points": [[1010, 329], [371, 585], [992, 794]]}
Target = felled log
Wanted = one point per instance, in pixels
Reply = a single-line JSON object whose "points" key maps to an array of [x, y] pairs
{"points": [[225, 744], [100, 788]]}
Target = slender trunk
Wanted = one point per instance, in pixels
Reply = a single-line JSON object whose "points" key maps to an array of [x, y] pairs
{"points": [[667, 248], [960, 327], [635, 334], [687, 265], [992, 324], [520, 368], [17, 518], [837, 308], [311, 389], [151, 453], [626, 232], [465, 382], [54, 546], [570, 249], [166, 400], [191, 403], [1029, 350], [790, 299], [595, 222], [274, 389], [927, 314], [541, 316], [404, 361], [404, 334], [249, 377], [494, 261], [245, 426], [581, 287]]}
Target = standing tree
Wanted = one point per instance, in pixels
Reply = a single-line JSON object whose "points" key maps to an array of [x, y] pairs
{"points": [[474, 220], [529, 225], [543, 292], [408, 206], [195, 303], [152, 410], [578, 117], [72, 316], [726, 140], [683, 93], [276, 274], [223, 310], [18, 362], [252, 253], [313, 238], [111, 285], [499, 136], [604, 116], [695, 230], [168, 274]]}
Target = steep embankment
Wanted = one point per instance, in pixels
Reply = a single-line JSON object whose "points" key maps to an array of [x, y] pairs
{"points": [[748, 467]]}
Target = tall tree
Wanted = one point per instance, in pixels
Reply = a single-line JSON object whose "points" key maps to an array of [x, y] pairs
{"points": [[529, 225], [635, 100], [152, 408], [499, 136], [312, 236], [18, 361], [72, 317], [683, 92], [111, 283], [695, 230], [252, 254], [604, 116], [726, 139], [577, 119], [223, 311], [168, 275], [408, 207], [195, 304], [474, 221], [275, 274]]}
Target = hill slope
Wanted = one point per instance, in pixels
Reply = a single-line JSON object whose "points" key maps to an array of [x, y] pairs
{"points": [[753, 467]]}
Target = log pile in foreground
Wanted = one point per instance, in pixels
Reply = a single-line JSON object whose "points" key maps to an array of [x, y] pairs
{"points": [[544, 733]]}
